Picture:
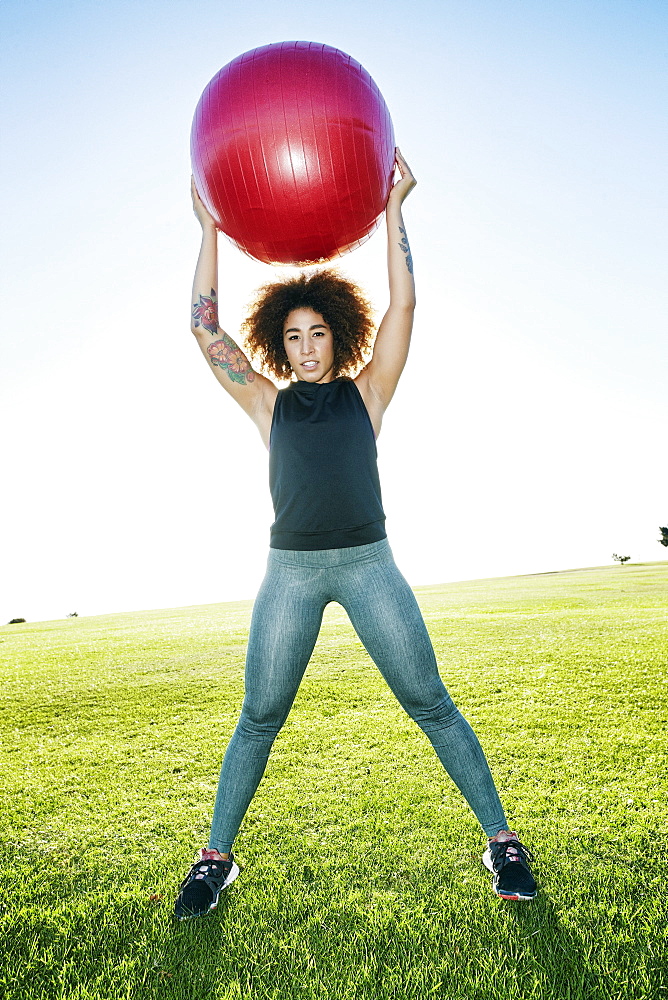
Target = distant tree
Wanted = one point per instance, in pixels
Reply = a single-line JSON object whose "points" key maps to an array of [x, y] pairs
{"points": [[73, 614], [16, 621], [620, 559], [664, 536]]}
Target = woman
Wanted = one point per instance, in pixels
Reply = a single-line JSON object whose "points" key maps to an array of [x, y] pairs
{"points": [[328, 541]]}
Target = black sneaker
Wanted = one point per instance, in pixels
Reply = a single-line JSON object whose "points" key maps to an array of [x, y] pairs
{"points": [[509, 861], [200, 889]]}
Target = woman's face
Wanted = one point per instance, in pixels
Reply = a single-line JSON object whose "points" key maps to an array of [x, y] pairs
{"points": [[309, 345]]}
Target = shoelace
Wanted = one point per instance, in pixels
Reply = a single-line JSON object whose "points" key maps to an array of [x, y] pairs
{"points": [[509, 850], [204, 868]]}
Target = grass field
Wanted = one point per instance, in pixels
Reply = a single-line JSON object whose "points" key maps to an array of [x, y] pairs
{"points": [[362, 875]]}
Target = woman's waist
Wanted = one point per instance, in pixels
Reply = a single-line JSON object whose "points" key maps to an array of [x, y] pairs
{"points": [[326, 558]]}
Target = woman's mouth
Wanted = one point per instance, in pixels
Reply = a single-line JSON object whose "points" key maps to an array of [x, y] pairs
{"points": [[309, 365]]}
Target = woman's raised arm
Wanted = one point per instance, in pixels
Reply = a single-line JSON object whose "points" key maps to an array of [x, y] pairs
{"points": [[254, 393], [379, 379]]}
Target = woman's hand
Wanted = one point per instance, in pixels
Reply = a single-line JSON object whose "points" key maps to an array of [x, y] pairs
{"points": [[204, 217], [406, 182]]}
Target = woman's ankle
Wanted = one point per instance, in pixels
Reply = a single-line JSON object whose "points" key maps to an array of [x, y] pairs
{"points": [[502, 836], [211, 854]]}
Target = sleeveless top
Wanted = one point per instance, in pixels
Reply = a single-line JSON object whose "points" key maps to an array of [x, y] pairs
{"points": [[323, 472]]}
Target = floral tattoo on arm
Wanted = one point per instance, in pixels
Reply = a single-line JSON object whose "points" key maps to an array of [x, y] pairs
{"points": [[227, 355], [407, 250], [205, 312]]}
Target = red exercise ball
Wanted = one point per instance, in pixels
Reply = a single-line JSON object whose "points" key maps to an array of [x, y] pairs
{"points": [[292, 151]]}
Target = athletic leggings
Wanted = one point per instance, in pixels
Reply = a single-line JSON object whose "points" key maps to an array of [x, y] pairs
{"points": [[382, 608]]}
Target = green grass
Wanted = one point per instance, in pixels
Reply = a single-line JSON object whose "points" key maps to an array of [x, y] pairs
{"points": [[362, 864]]}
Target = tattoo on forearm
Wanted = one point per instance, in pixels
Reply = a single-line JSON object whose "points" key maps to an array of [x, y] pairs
{"points": [[407, 250], [205, 312], [230, 358]]}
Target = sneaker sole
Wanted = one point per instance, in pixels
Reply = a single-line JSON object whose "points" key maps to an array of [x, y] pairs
{"points": [[234, 872], [514, 897]]}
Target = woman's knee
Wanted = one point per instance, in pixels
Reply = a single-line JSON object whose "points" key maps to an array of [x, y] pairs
{"points": [[260, 722], [435, 713]]}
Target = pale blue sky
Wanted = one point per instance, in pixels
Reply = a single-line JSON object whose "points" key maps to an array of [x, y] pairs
{"points": [[528, 432]]}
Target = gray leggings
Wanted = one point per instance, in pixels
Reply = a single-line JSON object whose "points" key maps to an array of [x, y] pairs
{"points": [[382, 608]]}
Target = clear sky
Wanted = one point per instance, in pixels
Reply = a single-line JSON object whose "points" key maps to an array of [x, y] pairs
{"points": [[528, 432]]}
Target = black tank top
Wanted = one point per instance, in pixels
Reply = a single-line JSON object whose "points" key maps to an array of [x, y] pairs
{"points": [[323, 471]]}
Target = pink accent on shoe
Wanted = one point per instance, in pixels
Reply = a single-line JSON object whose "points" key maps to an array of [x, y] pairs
{"points": [[209, 854]]}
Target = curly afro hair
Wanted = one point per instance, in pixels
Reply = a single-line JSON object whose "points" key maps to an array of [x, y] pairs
{"points": [[341, 304]]}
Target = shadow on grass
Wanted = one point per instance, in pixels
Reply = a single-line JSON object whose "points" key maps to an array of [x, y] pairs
{"points": [[554, 952], [572, 961], [342, 933], [473, 948]]}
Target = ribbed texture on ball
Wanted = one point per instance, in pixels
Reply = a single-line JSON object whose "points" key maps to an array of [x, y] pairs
{"points": [[292, 151]]}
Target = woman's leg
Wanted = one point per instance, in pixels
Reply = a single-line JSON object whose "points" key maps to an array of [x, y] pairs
{"points": [[386, 617], [286, 620]]}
